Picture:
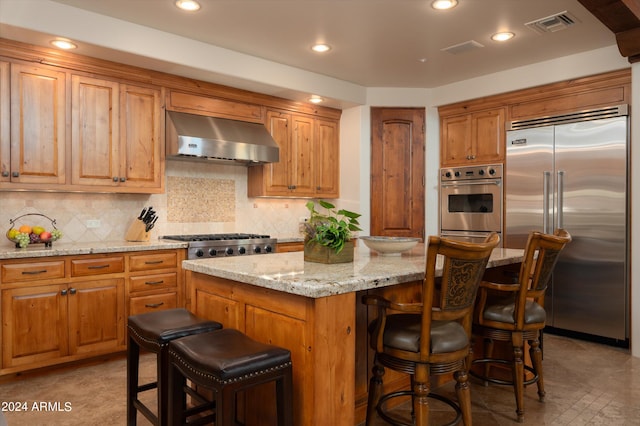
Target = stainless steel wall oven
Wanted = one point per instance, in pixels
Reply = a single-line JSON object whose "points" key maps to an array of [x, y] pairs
{"points": [[471, 201]]}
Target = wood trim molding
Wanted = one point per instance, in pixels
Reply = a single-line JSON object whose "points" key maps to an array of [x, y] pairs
{"points": [[98, 67], [622, 17]]}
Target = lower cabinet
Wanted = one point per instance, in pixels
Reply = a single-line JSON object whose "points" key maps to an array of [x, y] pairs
{"points": [[67, 308]]}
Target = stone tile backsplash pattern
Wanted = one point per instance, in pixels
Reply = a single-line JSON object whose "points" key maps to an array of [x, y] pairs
{"points": [[235, 212], [200, 200]]}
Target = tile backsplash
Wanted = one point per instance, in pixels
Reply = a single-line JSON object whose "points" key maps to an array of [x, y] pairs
{"points": [[198, 198]]}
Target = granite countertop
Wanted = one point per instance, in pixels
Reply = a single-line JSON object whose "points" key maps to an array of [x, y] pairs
{"points": [[60, 248], [289, 272]]}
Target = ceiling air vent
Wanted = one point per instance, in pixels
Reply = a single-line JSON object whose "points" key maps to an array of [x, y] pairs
{"points": [[463, 47], [553, 23]]}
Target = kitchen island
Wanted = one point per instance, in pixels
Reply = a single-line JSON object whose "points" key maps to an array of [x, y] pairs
{"points": [[314, 310]]}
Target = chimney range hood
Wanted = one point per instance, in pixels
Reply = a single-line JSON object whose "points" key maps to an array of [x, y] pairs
{"points": [[219, 140]]}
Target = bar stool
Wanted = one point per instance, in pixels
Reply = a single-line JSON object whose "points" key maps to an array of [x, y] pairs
{"points": [[226, 362], [152, 332]]}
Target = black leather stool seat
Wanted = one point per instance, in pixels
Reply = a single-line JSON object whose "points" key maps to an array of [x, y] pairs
{"points": [[152, 332], [228, 361]]}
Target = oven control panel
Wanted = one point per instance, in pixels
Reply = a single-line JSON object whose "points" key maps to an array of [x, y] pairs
{"points": [[489, 171]]}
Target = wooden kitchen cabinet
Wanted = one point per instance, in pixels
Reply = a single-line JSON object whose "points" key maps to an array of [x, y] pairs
{"points": [[67, 308], [309, 158], [5, 123], [116, 138], [115, 142], [214, 107], [38, 118], [155, 281], [473, 138], [47, 315]]}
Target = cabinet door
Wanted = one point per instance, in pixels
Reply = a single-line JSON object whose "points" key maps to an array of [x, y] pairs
{"points": [[34, 324], [456, 140], [38, 120], [141, 137], [327, 163], [277, 176], [5, 123], [95, 149], [302, 156], [488, 136], [96, 316]]}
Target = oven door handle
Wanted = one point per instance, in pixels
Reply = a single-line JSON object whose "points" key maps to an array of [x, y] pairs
{"points": [[472, 182]]}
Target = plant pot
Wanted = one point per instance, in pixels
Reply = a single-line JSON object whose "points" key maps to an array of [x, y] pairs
{"points": [[314, 252]]}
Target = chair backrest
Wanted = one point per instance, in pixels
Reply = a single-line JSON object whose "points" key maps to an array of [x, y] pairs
{"points": [[540, 257], [463, 265]]}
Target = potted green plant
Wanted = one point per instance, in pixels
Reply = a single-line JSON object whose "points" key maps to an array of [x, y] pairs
{"points": [[328, 233]]}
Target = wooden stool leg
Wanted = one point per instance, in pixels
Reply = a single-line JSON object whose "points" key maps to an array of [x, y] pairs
{"points": [[421, 391], [464, 395], [163, 391], [133, 360], [518, 373], [177, 400], [284, 394], [536, 359], [375, 391]]}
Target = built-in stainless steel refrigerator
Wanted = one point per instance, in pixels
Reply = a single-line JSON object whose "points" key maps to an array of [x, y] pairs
{"points": [[572, 172]]}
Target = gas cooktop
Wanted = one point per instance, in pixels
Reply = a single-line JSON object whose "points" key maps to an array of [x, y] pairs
{"points": [[222, 245]]}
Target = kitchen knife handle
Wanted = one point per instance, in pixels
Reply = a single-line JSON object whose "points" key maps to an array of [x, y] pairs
{"points": [[546, 178], [560, 199]]}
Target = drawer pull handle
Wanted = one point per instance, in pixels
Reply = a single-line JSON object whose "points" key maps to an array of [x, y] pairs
{"points": [[40, 271], [154, 305], [98, 266], [154, 282], [153, 262]]}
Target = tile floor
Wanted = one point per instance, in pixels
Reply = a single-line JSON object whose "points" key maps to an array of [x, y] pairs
{"points": [[586, 383]]}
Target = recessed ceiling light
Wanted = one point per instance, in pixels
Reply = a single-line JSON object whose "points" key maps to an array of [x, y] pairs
{"points": [[63, 44], [314, 99], [321, 48], [444, 4], [504, 36], [188, 5]]}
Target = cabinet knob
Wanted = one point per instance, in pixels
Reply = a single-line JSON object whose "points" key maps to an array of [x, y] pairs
{"points": [[15, 174], [63, 292], [72, 290], [122, 179], [5, 174], [115, 178]]}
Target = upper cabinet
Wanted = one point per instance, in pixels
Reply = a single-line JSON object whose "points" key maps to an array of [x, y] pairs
{"points": [[309, 158], [112, 132], [473, 138], [474, 131], [38, 125]]}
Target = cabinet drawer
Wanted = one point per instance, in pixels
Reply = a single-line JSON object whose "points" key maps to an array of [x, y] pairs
{"points": [[153, 282], [146, 262], [155, 302], [32, 271], [97, 266]]}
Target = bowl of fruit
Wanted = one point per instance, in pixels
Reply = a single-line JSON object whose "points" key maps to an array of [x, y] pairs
{"points": [[24, 234]]}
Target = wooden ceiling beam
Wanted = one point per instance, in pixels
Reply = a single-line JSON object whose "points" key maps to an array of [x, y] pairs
{"points": [[622, 17]]}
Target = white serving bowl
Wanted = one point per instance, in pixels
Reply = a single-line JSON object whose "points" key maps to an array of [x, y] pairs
{"points": [[387, 246]]}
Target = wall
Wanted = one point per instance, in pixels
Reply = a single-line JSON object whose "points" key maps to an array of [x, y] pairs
{"points": [[278, 218]]}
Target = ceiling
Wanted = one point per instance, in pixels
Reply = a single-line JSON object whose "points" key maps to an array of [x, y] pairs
{"points": [[376, 43]]}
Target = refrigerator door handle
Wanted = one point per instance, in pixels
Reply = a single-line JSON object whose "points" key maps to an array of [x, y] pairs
{"points": [[560, 199], [546, 178]]}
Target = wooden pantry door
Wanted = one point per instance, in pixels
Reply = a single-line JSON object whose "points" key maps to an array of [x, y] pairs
{"points": [[397, 172]]}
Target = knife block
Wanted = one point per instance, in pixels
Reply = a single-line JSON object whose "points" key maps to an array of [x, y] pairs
{"points": [[137, 232]]}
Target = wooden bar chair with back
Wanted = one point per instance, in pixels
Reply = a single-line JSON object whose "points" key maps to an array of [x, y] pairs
{"points": [[431, 337], [515, 313]]}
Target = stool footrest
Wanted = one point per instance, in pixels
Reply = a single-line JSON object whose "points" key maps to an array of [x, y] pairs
{"points": [[147, 386]]}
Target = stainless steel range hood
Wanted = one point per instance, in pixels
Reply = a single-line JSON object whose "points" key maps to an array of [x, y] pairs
{"points": [[200, 138]]}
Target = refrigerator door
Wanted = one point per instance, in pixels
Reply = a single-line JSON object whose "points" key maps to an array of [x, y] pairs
{"points": [[528, 184], [589, 285]]}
